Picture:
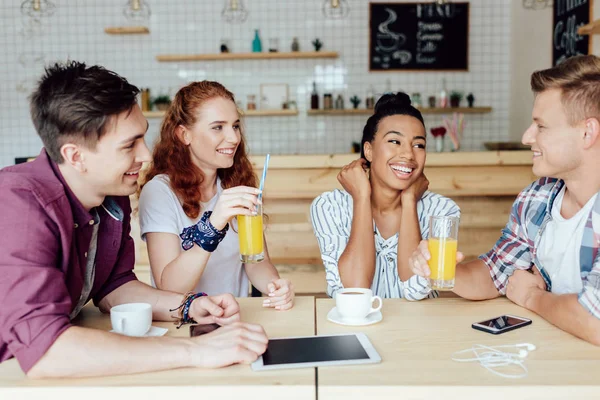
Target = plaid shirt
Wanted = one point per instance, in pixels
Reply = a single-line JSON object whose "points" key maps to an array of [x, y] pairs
{"points": [[519, 244]]}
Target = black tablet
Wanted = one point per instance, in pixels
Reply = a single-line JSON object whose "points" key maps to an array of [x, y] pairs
{"points": [[317, 351]]}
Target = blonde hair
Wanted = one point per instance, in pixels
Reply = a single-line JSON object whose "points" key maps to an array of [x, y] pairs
{"points": [[578, 78]]}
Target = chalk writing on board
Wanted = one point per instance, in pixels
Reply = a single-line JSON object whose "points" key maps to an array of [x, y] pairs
{"points": [[419, 36], [569, 16], [389, 43]]}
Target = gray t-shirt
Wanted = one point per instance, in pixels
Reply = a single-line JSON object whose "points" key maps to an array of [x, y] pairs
{"points": [[160, 211]]}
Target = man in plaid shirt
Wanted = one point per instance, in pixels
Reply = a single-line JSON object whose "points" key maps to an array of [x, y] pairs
{"points": [[547, 257]]}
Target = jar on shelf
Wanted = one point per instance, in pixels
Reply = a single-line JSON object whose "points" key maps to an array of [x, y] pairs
{"points": [[327, 101], [251, 105]]}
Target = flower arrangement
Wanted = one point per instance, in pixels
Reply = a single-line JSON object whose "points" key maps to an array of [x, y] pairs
{"points": [[455, 128]]}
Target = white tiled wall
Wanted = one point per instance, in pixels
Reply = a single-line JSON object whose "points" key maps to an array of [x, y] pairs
{"points": [[75, 31]]}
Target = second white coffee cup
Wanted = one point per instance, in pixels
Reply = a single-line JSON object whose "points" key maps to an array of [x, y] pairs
{"points": [[131, 319], [356, 303]]}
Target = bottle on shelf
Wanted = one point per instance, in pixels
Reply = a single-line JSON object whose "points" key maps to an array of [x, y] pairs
{"points": [[314, 98], [145, 100], [444, 95], [370, 101], [388, 86], [339, 102], [256, 44], [295, 44]]}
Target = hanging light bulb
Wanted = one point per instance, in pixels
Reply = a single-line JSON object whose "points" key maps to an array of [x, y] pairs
{"points": [[335, 9], [137, 10], [37, 9], [536, 4], [234, 11]]}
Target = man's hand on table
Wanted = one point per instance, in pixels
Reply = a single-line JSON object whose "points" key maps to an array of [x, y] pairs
{"points": [[222, 309], [522, 285], [238, 343]]}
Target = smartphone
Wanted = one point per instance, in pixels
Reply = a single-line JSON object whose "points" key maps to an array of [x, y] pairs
{"points": [[501, 324], [197, 330]]}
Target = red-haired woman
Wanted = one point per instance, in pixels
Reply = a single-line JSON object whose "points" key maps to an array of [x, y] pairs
{"points": [[200, 179]]}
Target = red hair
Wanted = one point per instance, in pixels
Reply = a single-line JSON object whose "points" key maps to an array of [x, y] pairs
{"points": [[173, 158]]}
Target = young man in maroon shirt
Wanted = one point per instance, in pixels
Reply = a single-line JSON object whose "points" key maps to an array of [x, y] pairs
{"points": [[65, 222]]}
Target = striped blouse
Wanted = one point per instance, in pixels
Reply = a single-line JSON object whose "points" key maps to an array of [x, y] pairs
{"points": [[331, 216]]}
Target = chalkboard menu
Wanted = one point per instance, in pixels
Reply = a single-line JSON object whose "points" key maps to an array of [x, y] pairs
{"points": [[569, 15], [419, 36]]}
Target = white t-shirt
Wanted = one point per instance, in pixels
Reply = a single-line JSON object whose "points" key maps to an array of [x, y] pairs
{"points": [[560, 245], [160, 211]]}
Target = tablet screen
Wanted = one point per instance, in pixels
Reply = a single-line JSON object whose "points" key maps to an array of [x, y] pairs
{"points": [[314, 349]]}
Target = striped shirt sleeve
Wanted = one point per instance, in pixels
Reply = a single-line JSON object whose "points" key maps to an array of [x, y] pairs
{"points": [[330, 218]]}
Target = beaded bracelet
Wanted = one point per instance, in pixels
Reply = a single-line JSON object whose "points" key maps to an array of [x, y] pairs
{"points": [[204, 234], [184, 308]]}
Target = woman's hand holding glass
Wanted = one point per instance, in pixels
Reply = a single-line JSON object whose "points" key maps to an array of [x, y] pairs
{"points": [[239, 200]]}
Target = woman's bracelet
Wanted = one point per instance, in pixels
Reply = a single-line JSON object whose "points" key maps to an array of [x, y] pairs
{"points": [[204, 234], [184, 308]]}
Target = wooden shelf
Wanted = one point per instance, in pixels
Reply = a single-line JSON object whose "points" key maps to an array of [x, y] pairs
{"points": [[127, 30], [464, 110], [246, 113], [593, 28], [153, 114], [349, 111], [245, 56], [366, 111], [269, 113]]}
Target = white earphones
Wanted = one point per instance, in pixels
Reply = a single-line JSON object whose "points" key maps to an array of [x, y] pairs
{"points": [[491, 357]]}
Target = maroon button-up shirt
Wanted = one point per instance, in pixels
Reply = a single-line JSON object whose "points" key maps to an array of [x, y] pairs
{"points": [[45, 235]]}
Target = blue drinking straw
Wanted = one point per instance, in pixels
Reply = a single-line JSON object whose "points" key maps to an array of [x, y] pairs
{"points": [[264, 175]]}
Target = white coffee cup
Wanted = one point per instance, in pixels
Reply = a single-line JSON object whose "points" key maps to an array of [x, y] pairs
{"points": [[131, 319], [356, 303]]}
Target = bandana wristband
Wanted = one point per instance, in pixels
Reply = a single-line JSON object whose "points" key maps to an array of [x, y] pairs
{"points": [[204, 234]]}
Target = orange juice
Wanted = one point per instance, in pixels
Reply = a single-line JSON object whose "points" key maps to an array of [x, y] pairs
{"points": [[250, 232], [442, 263]]}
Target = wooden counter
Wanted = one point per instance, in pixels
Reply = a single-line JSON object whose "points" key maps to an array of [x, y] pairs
{"points": [[484, 185]]}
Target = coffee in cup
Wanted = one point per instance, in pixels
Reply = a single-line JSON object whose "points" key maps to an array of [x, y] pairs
{"points": [[356, 303], [131, 319]]}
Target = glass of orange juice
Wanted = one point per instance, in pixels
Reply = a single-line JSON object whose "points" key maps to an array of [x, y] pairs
{"points": [[443, 244], [250, 232]]}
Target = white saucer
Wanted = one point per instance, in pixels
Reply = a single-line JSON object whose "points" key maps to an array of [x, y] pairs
{"points": [[372, 318], [154, 331]]}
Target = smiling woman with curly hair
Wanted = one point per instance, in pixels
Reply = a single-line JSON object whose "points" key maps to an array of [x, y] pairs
{"points": [[200, 180]]}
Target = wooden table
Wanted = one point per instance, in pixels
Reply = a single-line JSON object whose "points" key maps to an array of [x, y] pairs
{"points": [[236, 382], [416, 341]]}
